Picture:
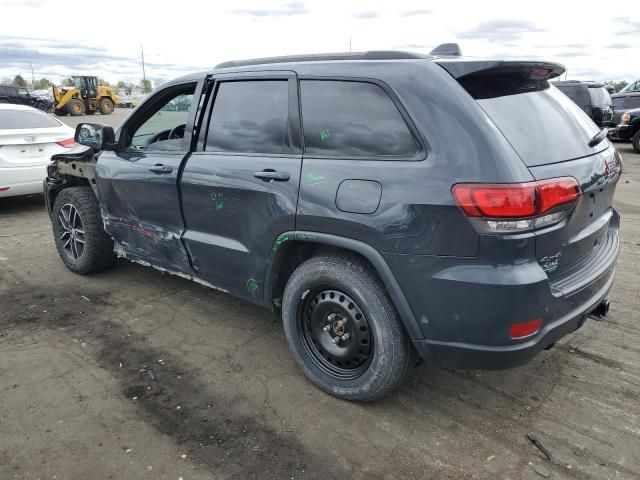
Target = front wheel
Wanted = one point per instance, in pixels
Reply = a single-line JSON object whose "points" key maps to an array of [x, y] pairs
{"points": [[343, 330], [81, 241], [635, 141]]}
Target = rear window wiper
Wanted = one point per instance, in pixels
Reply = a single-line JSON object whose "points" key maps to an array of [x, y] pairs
{"points": [[598, 137]]}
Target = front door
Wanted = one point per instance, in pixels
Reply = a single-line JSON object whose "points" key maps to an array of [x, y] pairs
{"points": [[240, 188], [138, 183]]}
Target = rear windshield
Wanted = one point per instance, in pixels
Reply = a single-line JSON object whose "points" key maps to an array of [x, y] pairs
{"points": [[18, 119], [577, 93], [542, 124], [599, 96]]}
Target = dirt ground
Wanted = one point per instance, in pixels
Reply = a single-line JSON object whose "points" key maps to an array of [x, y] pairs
{"points": [[132, 374]]}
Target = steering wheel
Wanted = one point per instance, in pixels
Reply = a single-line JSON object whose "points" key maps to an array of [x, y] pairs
{"points": [[177, 132]]}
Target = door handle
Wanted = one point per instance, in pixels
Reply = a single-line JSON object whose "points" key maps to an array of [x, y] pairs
{"points": [[160, 169], [270, 175]]}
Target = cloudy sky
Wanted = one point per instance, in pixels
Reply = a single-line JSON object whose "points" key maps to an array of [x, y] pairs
{"points": [[595, 42]]}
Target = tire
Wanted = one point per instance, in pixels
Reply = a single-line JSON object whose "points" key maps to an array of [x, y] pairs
{"points": [[75, 107], [61, 112], [635, 142], [96, 252], [351, 289], [106, 106]]}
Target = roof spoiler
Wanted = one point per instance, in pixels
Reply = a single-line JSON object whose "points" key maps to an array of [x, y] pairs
{"points": [[535, 70], [447, 50]]}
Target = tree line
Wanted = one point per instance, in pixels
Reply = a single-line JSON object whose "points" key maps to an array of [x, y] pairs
{"points": [[44, 83]]}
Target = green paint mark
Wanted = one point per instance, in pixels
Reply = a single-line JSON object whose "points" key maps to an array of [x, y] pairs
{"points": [[218, 200], [252, 285], [277, 302], [315, 179], [324, 135], [280, 240], [214, 173]]}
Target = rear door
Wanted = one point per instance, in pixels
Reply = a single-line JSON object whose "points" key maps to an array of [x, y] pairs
{"points": [[138, 183], [240, 188]]}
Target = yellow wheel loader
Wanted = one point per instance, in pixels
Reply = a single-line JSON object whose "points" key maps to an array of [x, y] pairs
{"points": [[85, 97]]}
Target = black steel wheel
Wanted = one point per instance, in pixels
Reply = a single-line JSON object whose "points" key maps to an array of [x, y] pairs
{"points": [[71, 231], [335, 332], [343, 329]]}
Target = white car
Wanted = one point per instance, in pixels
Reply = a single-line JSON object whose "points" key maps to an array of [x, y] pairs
{"points": [[28, 139]]}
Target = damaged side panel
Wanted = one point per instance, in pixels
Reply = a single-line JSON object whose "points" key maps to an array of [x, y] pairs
{"points": [[141, 209]]}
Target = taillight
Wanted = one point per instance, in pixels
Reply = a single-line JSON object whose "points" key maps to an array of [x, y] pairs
{"points": [[516, 207], [67, 143], [525, 329]]}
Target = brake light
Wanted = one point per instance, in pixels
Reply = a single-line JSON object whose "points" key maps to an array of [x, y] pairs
{"points": [[67, 143], [524, 204], [525, 329], [4, 189]]}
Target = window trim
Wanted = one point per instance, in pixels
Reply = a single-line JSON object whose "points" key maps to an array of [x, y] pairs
{"points": [[421, 143], [293, 120], [141, 115]]}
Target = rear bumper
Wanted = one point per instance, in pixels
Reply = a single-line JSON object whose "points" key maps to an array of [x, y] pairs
{"points": [[21, 180], [487, 357]]}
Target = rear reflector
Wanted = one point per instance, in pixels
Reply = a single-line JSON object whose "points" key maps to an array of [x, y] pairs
{"points": [[524, 204], [67, 143], [525, 329]]}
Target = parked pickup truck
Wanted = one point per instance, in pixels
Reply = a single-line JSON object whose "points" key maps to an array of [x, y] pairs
{"points": [[388, 204]]}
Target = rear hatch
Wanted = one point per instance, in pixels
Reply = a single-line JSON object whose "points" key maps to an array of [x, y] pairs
{"points": [[552, 136]]}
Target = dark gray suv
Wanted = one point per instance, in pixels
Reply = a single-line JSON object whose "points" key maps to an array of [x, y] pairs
{"points": [[387, 203]]}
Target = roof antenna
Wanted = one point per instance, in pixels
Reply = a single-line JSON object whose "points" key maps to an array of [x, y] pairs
{"points": [[447, 50]]}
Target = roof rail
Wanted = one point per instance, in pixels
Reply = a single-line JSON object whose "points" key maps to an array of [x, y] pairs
{"points": [[323, 57], [447, 50]]}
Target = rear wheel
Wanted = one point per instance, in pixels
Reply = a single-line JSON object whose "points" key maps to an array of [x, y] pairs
{"points": [[635, 141], [75, 107], [106, 106], [81, 241], [343, 330]]}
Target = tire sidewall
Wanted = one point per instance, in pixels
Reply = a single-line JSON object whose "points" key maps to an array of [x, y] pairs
{"points": [[83, 264], [635, 142], [385, 349]]}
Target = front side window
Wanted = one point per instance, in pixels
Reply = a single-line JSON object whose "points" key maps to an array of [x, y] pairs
{"points": [[24, 92], [352, 119], [165, 128], [250, 117]]}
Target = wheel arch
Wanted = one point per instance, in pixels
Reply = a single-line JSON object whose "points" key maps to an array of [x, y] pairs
{"points": [[292, 248]]}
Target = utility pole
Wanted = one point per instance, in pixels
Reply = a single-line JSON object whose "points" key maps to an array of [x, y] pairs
{"points": [[33, 79], [349, 43], [144, 76]]}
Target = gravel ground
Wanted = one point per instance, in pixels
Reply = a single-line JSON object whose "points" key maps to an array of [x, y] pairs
{"points": [[135, 374]]}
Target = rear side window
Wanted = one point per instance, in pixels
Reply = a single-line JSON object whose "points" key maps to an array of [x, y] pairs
{"points": [[634, 102], [250, 117], [26, 119], [352, 119]]}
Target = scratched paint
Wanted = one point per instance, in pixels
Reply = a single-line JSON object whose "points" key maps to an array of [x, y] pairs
{"points": [[136, 228], [218, 200], [252, 285], [315, 178]]}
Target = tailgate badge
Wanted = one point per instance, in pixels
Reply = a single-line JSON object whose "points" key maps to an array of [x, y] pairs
{"points": [[30, 138]]}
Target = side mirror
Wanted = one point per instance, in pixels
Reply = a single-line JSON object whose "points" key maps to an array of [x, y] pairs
{"points": [[96, 136]]}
